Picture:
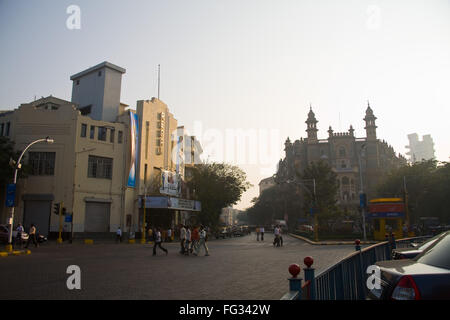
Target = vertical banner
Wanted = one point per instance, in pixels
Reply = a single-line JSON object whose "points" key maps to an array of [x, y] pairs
{"points": [[134, 134]]}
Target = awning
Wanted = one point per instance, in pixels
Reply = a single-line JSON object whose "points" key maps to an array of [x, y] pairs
{"points": [[170, 203]]}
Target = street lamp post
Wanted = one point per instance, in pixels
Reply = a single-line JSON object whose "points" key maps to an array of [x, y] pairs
{"points": [[313, 194], [363, 209], [143, 223], [18, 165]]}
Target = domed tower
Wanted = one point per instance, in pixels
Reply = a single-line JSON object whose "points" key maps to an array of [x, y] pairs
{"points": [[371, 128], [311, 129]]}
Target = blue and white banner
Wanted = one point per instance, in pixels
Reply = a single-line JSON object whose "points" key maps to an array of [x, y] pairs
{"points": [[134, 128]]}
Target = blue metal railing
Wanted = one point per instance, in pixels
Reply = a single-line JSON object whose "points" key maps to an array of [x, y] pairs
{"points": [[346, 280]]}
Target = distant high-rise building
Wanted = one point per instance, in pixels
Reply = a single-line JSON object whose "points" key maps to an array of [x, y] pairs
{"points": [[420, 150]]}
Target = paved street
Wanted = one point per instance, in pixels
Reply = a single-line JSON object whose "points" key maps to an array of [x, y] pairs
{"points": [[238, 268]]}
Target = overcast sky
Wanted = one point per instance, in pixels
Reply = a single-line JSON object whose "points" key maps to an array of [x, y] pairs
{"points": [[248, 67]]}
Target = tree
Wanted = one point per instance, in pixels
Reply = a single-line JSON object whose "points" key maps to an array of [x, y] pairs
{"points": [[217, 185], [325, 202], [6, 154], [275, 203], [428, 187]]}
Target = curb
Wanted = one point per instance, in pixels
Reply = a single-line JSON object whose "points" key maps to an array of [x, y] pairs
{"points": [[329, 243], [14, 253]]}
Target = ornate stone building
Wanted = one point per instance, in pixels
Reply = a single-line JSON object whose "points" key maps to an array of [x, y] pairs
{"points": [[346, 154]]}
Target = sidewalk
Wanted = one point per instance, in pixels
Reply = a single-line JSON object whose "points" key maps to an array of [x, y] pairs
{"points": [[4, 253], [331, 242]]}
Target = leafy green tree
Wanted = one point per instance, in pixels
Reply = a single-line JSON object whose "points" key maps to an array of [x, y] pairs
{"points": [[325, 202], [6, 153], [276, 202], [428, 187], [217, 185]]}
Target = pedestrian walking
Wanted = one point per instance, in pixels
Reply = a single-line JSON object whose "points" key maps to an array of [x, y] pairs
{"points": [[257, 233], [169, 235], [119, 235], [188, 240], [20, 231], [182, 238], [278, 240], [202, 242], [150, 234], [195, 239], [262, 233], [32, 236], [157, 236]]}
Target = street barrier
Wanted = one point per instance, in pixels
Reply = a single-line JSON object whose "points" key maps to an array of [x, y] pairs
{"points": [[346, 280]]}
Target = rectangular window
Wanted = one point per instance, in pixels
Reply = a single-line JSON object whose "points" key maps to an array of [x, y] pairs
{"points": [[86, 110], [83, 130], [120, 137], [158, 134], [8, 127], [92, 133], [158, 142], [111, 135], [101, 133], [145, 174], [42, 163], [159, 116], [100, 167]]}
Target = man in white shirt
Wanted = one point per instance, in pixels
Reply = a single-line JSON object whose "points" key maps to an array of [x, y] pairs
{"points": [[158, 242], [202, 242], [262, 233], [188, 240], [182, 238], [118, 235]]}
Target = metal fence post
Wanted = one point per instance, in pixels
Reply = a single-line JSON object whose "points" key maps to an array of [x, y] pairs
{"points": [[295, 284], [388, 247], [309, 276]]}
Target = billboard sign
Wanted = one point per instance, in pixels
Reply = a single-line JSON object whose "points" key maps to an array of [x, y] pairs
{"points": [[170, 183], [10, 195], [134, 141]]}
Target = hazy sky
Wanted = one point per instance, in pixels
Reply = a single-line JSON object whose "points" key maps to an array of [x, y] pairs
{"points": [[247, 66]]}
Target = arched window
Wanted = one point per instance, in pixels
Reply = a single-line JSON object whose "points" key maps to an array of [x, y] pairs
{"points": [[342, 152], [345, 181]]}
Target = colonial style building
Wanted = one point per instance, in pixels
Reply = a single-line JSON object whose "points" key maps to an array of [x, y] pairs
{"points": [[347, 155]]}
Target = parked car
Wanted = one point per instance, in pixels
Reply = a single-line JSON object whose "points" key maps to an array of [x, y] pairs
{"points": [[239, 231], [410, 253], [427, 276]]}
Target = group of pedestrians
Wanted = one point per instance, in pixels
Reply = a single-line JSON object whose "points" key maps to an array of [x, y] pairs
{"points": [[192, 241], [259, 233], [278, 239], [32, 236]]}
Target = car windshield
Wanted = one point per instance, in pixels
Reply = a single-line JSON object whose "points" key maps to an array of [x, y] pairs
{"points": [[438, 255]]}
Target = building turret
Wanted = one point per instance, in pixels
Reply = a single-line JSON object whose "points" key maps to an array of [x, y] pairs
{"points": [[311, 123], [371, 128]]}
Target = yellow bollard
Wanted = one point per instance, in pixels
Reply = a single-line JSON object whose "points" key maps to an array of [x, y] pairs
{"points": [[88, 241], [131, 241], [3, 254], [9, 248]]}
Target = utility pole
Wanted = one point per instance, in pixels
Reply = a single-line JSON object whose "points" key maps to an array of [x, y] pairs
{"points": [[159, 70], [363, 209], [143, 223], [406, 202]]}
